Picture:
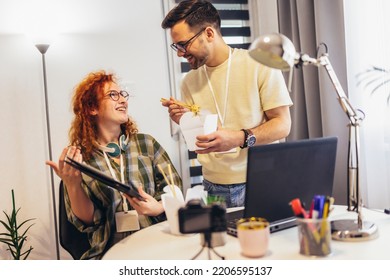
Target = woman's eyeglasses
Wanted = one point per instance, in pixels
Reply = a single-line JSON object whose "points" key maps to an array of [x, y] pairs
{"points": [[183, 46], [114, 95]]}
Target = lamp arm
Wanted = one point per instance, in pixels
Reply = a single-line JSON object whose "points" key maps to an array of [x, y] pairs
{"points": [[324, 61], [353, 145], [343, 99]]}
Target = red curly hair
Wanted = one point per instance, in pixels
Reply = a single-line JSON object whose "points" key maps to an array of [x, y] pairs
{"points": [[86, 98]]}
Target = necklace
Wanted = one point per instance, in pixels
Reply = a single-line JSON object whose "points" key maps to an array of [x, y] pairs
{"points": [[122, 171], [220, 116]]}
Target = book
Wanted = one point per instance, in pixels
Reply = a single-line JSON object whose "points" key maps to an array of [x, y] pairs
{"points": [[131, 189]]}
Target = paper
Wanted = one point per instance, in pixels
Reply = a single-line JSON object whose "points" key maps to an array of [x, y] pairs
{"points": [[196, 192], [192, 126]]}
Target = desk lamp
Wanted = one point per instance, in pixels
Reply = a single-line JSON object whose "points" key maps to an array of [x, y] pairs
{"points": [[277, 51]]}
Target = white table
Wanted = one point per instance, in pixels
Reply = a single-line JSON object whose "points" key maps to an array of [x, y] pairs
{"points": [[157, 243]]}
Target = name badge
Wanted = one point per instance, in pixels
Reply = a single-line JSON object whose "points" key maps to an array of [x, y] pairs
{"points": [[127, 221]]}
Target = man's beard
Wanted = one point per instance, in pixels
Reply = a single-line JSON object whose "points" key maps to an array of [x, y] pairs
{"points": [[198, 62]]}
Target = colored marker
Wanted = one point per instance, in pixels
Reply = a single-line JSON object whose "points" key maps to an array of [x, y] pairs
{"points": [[319, 201], [298, 209]]}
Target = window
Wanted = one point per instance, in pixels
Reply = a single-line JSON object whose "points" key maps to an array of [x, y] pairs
{"points": [[235, 25]]}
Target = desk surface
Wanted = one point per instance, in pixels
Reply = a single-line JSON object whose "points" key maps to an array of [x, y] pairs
{"points": [[156, 242]]}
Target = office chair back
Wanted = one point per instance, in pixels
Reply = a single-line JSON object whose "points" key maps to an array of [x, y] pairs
{"points": [[195, 169], [71, 239]]}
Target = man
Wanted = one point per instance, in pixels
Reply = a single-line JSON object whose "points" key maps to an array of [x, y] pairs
{"points": [[251, 100]]}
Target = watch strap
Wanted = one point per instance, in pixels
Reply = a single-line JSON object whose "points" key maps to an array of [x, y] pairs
{"points": [[246, 135]]}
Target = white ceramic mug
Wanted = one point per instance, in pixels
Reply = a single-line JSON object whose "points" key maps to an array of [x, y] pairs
{"points": [[253, 235]]}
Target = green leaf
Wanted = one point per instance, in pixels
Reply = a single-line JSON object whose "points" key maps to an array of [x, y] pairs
{"points": [[12, 238], [9, 222], [8, 242], [26, 221], [21, 242], [24, 233], [7, 234], [28, 253]]}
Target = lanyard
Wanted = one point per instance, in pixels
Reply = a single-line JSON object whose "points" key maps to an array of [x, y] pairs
{"points": [[124, 203], [220, 116]]}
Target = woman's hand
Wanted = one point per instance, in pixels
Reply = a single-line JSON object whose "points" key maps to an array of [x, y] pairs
{"points": [[149, 207], [68, 174], [81, 205]]}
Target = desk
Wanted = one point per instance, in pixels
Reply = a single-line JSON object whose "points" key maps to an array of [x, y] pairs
{"points": [[156, 243]]}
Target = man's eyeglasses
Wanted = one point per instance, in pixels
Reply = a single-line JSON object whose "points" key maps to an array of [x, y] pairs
{"points": [[183, 46], [114, 95]]}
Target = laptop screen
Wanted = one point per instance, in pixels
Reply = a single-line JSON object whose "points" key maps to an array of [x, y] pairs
{"points": [[278, 173]]}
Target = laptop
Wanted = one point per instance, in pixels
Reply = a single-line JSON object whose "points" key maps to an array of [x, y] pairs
{"points": [[278, 173]]}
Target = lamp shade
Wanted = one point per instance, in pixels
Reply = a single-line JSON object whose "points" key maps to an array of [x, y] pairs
{"points": [[274, 50]]}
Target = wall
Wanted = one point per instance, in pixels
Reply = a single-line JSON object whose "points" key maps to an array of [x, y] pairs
{"points": [[125, 38]]}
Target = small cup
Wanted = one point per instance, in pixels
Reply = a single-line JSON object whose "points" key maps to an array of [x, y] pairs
{"points": [[253, 235], [314, 237]]}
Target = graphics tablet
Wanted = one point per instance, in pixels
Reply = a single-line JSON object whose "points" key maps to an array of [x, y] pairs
{"points": [[100, 176]]}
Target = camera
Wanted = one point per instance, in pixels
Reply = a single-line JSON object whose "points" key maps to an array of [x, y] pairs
{"points": [[196, 217]]}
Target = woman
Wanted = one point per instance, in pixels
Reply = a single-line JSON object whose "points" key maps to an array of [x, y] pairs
{"points": [[105, 137]]}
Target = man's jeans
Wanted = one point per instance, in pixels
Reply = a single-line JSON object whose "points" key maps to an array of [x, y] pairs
{"points": [[234, 194]]}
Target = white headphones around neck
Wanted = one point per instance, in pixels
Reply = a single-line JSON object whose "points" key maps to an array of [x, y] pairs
{"points": [[113, 149]]}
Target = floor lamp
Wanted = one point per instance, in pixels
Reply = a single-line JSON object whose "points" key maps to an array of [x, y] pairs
{"points": [[42, 48], [277, 51]]}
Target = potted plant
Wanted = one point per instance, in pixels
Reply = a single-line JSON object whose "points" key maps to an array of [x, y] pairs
{"points": [[12, 236]]}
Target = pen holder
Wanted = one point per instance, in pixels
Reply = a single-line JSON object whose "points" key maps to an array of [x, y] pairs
{"points": [[314, 237]]}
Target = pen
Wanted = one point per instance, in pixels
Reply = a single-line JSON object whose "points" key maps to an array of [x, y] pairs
{"points": [[327, 206], [318, 209], [297, 208], [311, 209]]}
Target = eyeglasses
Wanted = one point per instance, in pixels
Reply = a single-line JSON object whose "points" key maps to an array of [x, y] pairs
{"points": [[114, 95], [183, 46]]}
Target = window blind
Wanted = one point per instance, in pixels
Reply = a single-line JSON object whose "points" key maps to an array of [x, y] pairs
{"points": [[235, 25]]}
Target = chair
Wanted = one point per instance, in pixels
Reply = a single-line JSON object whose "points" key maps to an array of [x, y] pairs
{"points": [[71, 239], [195, 169]]}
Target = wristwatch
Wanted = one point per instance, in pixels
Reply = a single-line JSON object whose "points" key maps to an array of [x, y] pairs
{"points": [[249, 139]]}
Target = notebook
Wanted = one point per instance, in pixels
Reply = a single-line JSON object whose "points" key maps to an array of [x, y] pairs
{"points": [[278, 173]]}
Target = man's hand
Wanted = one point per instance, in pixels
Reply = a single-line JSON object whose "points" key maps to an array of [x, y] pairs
{"points": [[175, 111], [221, 140]]}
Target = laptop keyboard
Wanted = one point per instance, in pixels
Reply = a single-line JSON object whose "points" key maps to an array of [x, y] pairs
{"points": [[232, 227], [231, 221]]}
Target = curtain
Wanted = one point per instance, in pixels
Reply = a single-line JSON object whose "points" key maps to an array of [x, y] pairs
{"points": [[316, 111]]}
